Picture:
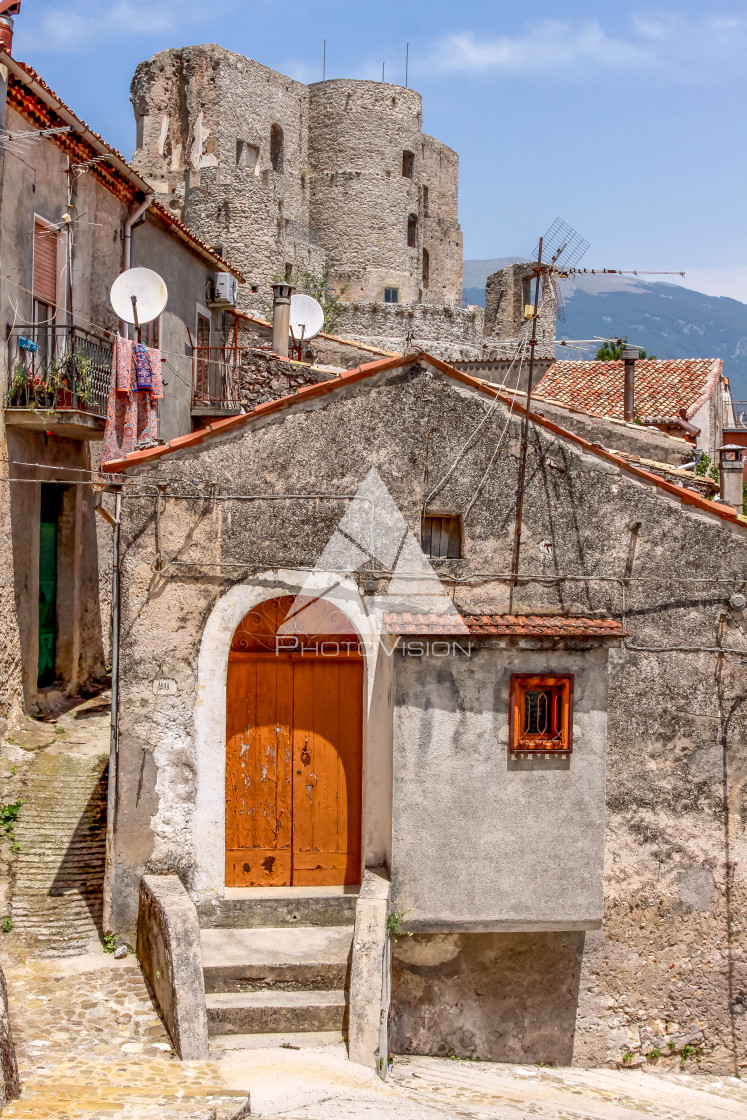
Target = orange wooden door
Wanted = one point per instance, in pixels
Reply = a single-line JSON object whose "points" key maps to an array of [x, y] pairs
{"points": [[259, 713], [293, 771], [327, 764]]}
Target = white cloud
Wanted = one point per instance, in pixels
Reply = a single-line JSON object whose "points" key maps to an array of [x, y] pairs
{"points": [[76, 28], [567, 47]]}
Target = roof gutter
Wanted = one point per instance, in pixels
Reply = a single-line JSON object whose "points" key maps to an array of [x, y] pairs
{"points": [[64, 114], [133, 218]]}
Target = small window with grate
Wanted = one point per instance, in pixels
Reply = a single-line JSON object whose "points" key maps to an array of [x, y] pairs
{"points": [[391, 295], [441, 536], [408, 164], [541, 713]]}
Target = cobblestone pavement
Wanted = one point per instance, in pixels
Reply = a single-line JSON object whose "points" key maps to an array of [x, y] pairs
{"points": [[90, 1044]]}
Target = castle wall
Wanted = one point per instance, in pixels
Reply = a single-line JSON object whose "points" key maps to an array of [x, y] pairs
{"points": [[337, 193]]}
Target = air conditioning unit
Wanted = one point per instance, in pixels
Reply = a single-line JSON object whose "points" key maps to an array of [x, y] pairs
{"points": [[225, 290]]}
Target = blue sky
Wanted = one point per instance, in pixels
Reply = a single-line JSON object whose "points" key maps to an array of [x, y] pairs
{"points": [[626, 118]]}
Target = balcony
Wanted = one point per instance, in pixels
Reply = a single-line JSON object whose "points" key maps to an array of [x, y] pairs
{"points": [[58, 380], [735, 422], [215, 381]]}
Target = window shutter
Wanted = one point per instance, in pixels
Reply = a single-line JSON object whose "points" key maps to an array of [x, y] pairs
{"points": [[45, 264]]}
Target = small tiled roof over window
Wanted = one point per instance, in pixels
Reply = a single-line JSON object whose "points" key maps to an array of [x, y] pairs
{"points": [[662, 387], [504, 625]]}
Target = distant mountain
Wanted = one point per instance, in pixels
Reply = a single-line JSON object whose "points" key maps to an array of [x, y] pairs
{"points": [[670, 321]]}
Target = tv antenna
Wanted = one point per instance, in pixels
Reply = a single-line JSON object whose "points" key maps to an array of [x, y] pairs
{"points": [[138, 296], [564, 247]]}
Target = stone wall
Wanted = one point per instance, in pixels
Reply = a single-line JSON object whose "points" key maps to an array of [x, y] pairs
{"points": [[669, 963], [508, 293], [449, 333]]}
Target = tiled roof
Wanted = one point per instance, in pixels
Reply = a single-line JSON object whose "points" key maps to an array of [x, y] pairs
{"points": [[504, 625], [662, 387], [372, 369], [30, 96]]}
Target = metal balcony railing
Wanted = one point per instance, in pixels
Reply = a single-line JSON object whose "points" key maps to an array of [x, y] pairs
{"points": [[58, 367], [215, 377], [735, 414]]}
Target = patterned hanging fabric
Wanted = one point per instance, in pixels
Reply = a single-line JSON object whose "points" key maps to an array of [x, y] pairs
{"points": [[136, 387]]}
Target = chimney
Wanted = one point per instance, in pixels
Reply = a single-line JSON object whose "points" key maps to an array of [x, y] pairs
{"points": [[281, 299], [731, 479], [8, 9], [630, 355]]}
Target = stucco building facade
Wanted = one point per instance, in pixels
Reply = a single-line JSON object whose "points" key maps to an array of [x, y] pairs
{"points": [[577, 905]]}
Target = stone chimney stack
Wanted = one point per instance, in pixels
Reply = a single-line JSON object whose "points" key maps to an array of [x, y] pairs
{"points": [[731, 475], [630, 356], [281, 298]]}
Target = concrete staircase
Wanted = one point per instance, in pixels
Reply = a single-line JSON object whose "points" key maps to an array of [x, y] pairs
{"points": [[276, 965]]}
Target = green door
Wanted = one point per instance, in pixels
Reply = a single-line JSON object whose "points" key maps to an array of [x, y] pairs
{"points": [[50, 512]]}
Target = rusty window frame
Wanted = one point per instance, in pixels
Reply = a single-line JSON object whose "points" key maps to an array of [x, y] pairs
{"points": [[559, 736]]}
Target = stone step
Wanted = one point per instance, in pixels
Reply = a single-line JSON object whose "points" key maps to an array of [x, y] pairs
{"points": [[287, 1040], [275, 1012], [280, 906], [284, 958]]}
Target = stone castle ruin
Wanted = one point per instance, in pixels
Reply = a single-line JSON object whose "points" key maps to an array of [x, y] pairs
{"points": [[287, 177]]}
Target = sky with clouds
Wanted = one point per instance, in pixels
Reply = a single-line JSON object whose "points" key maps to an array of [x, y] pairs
{"points": [[626, 118]]}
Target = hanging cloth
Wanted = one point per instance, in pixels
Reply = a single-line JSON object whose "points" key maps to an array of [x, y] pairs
{"points": [[136, 387]]}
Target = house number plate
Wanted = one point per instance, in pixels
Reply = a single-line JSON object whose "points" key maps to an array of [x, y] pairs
{"points": [[165, 686]]}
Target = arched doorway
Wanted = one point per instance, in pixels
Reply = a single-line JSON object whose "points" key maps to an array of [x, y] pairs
{"points": [[294, 727]]}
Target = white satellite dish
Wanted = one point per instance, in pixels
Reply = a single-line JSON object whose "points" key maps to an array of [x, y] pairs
{"points": [[138, 296], [306, 317]]}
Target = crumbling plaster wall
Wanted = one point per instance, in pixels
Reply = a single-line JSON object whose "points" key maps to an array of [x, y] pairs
{"points": [[669, 963]]}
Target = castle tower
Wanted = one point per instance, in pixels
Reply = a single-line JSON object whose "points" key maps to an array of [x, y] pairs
{"points": [[283, 176]]}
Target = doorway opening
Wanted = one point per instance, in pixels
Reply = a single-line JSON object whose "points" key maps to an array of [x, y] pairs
{"points": [[49, 532], [294, 747]]}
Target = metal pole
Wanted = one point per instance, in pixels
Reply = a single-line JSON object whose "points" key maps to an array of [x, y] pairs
{"points": [[111, 799], [525, 436], [407, 63], [324, 65]]}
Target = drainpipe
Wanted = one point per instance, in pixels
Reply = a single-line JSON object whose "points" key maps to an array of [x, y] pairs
{"points": [[281, 298], [629, 356], [133, 218], [111, 800]]}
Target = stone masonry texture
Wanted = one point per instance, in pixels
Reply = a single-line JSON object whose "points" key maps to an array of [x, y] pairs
{"points": [[284, 176]]}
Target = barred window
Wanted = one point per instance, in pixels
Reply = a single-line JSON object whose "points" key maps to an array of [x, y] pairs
{"points": [[541, 713]]}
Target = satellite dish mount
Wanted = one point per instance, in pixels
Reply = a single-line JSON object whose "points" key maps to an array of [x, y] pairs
{"points": [[138, 296]]}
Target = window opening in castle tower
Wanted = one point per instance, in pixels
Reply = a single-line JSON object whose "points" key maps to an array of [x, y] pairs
{"points": [[391, 295], [426, 268], [425, 202], [412, 231], [276, 147], [288, 271], [408, 164], [527, 293]]}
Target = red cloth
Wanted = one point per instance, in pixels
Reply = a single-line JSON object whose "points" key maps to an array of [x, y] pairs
{"points": [[132, 414]]}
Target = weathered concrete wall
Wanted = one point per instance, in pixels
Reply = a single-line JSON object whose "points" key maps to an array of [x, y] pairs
{"points": [[510, 997], [368, 1034], [520, 839], [677, 717], [168, 948]]}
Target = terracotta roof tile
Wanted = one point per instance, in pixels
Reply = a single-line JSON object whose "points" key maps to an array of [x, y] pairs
{"points": [[504, 625], [662, 387]]}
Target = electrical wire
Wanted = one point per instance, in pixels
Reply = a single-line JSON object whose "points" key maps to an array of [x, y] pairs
{"points": [[494, 456]]}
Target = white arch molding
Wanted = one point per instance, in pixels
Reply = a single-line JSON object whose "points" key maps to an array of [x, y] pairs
{"points": [[209, 819]]}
